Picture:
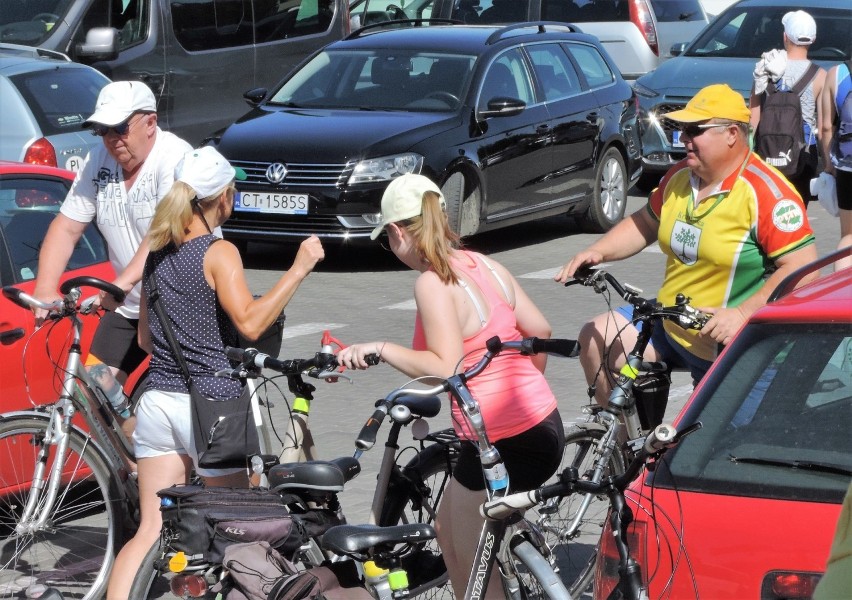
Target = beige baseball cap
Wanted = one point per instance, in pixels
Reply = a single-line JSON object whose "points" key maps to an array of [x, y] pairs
{"points": [[403, 199]]}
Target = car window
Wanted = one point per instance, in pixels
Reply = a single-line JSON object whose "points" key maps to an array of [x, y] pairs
{"points": [[585, 11], [379, 79], [27, 207], [592, 64], [368, 12], [29, 22], [553, 69], [507, 77], [491, 11], [673, 11], [60, 99], [777, 422], [747, 32]]}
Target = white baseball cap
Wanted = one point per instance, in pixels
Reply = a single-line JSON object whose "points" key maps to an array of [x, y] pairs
{"points": [[799, 27], [403, 199], [206, 171], [119, 100]]}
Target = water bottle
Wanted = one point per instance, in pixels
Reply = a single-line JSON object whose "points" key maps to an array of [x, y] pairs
{"points": [[119, 401], [377, 580]]}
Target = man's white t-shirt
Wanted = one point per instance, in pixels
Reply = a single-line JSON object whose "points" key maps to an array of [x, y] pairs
{"points": [[123, 216]]}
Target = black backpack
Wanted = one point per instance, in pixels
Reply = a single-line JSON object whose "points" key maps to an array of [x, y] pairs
{"points": [[780, 136]]}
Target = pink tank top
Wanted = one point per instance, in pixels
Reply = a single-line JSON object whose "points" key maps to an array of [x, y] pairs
{"points": [[513, 395]]}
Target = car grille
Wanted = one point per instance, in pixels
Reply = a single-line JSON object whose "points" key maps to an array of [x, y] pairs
{"points": [[298, 174], [667, 125]]}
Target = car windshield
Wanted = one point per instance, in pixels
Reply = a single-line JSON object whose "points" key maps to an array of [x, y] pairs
{"points": [[60, 99], [748, 32], [776, 423], [30, 22], [379, 80], [28, 204]]}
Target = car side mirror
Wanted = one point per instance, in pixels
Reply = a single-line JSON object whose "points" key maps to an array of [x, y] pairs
{"points": [[503, 107], [255, 96], [101, 44], [677, 49]]}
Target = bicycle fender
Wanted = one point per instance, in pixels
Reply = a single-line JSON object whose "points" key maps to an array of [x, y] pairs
{"points": [[589, 426]]}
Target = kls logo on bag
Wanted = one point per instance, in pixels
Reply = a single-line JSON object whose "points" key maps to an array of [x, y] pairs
{"points": [[235, 531]]}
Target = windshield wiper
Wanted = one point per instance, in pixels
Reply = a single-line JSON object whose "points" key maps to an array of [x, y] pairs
{"points": [[805, 465]]}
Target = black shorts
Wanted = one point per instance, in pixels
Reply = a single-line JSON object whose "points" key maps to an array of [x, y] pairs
{"points": [[530, 457], [843, 179], [115, 342]]}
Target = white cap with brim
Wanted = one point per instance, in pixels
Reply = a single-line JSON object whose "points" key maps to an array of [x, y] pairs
{"points": [[403, 199], [119, 100], [206, 171], [799, 27]]}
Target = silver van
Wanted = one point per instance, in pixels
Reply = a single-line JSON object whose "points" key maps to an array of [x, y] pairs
{"points": [[638, 34], [199, 56]]}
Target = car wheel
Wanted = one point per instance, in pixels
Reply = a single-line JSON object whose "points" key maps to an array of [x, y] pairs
{"points": [[647, 182], [462, 211], [610, 195]]}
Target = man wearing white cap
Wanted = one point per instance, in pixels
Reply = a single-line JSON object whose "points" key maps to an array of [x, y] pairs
{"points": [[118, 188], [784, 68]]}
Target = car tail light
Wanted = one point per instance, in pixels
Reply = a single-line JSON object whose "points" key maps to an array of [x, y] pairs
{"points": [[606, 571], [41, 152], [188, 586], [640, 15], [789, 585]]}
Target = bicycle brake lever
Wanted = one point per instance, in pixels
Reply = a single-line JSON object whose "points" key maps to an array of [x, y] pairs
{"points": [[333, 376]]}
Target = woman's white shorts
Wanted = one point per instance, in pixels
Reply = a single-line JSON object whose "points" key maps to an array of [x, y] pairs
{"points": [[163, 427]]}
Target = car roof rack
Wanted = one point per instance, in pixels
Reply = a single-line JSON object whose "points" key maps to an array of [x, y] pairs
{"points": [[789, 283], [541, 26], [396, 24], [32, 52]]}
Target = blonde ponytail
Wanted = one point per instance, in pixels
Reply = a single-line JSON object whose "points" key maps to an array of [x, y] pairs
{"points": [[433, 237]]}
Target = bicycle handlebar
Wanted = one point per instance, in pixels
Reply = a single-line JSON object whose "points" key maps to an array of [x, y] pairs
{"points": [[70, 290], [320, 364], [528, 346], [657, 442], [681, 312]]}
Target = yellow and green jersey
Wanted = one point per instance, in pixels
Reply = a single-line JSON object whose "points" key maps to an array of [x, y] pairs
{"points": [[720, 251]]}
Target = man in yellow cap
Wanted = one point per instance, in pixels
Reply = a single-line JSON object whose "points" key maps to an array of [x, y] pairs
{"points": [[730, 226]]}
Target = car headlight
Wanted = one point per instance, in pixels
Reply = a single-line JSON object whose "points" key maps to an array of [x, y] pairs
{"points": [[386, 168], [644, 91]]}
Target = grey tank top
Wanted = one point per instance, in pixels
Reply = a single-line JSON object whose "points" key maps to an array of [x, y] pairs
{"points": [[200, 325]]}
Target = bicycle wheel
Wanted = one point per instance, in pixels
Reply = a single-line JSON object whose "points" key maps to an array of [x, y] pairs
{"points": [[414, 497], [75, 549], [575, 552], [153, 580]]}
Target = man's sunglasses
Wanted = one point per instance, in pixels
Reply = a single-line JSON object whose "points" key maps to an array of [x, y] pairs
{"points": [[694, 131], [121, 129]]}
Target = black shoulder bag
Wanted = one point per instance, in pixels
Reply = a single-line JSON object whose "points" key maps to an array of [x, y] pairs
{"points": [[222, 432]]}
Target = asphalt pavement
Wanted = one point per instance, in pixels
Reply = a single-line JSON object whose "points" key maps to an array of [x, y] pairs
{"points": [[363, 294]]}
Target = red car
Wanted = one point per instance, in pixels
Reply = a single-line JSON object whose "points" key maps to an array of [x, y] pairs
{"points": [[747, 506], [30, 196]]}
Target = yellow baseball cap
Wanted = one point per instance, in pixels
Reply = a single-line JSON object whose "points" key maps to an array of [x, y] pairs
{"points": [[716, 101]]}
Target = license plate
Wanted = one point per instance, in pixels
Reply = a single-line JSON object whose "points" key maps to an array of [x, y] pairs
{"points": [[676, 139], [282, 204]]}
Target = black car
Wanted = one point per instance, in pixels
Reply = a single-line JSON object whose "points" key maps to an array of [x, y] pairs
{"points": [[514, 123]]}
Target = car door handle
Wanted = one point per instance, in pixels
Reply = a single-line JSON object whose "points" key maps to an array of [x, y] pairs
{"points": [[592, 117], [10, 336], [543, 128]]}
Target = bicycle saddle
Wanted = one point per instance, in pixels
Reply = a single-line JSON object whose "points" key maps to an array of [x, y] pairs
{"points": [[312, 475], [356, 539]]}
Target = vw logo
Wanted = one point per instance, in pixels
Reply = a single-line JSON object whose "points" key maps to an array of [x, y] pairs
{"points": [[276, 173]]}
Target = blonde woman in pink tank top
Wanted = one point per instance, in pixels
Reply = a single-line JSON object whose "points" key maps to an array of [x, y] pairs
{"points": [[462, 300]]}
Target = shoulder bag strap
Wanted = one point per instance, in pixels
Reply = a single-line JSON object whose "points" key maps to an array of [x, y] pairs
{"points": [[165, 323]]}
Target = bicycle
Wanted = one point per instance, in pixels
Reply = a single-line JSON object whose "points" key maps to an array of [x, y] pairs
{"points": [[64, 522], [526, 572], [571, 481], [606, 443]]}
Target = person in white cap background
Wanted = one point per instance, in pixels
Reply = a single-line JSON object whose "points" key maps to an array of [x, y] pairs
{"points": [[836, 142], [463, 299], [203, 289], [785, 67], [117, 188]]}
